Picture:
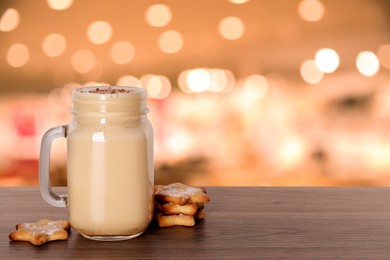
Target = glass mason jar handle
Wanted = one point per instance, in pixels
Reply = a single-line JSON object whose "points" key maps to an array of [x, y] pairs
{"points": [[44, 167]]}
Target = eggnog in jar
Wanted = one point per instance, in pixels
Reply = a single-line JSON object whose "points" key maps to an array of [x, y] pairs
{"points": [[110, 163]]}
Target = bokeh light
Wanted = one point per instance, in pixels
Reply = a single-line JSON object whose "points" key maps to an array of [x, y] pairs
{"points": [[198, 80], [128, 80], [182, 82], [238, 1], [144, 80], [10, 20], [367, 63], [158, 87], [384, 55], [59, 4], [379, 155], [83, 61], [158, 15], [231, 28], [18, 55], [95, 83], [54, 45], [310, 72], [179, 143], [219, 80], [170, 41], [122, 52], [256, 86], [311, 10], [231, 81], [327, 60], [291, 152], [201, 80], [99, 32]]}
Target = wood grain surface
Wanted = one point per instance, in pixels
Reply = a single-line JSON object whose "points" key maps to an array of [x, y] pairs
{"points": [[241, 223]]}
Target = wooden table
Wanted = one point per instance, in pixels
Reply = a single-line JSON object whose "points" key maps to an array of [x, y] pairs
{"points": [[241, 223]]}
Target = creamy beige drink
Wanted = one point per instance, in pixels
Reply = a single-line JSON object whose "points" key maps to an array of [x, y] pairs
{"points": [[110, 163]]}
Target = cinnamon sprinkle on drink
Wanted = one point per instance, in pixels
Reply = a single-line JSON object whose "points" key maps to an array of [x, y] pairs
{"points": [[110, 90]]}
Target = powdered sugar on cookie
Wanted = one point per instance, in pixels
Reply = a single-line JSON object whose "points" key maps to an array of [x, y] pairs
{"points": [[38, 233], [179, 193]]}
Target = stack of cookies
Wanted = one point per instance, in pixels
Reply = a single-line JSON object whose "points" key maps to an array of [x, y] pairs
{"points": [[177, 204]]}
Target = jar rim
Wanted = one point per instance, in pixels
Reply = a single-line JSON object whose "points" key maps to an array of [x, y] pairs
{"points": [[108, 99], [108, 90]]}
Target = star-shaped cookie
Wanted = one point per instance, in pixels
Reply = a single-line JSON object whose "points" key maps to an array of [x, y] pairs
{"points": [[40, 232], [180, 193]]}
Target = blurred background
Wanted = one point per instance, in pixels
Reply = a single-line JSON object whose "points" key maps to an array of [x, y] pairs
{"points": [[241, 92]]}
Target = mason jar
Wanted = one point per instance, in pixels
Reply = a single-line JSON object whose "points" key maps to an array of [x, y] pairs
{"points": [[110, 169]]}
